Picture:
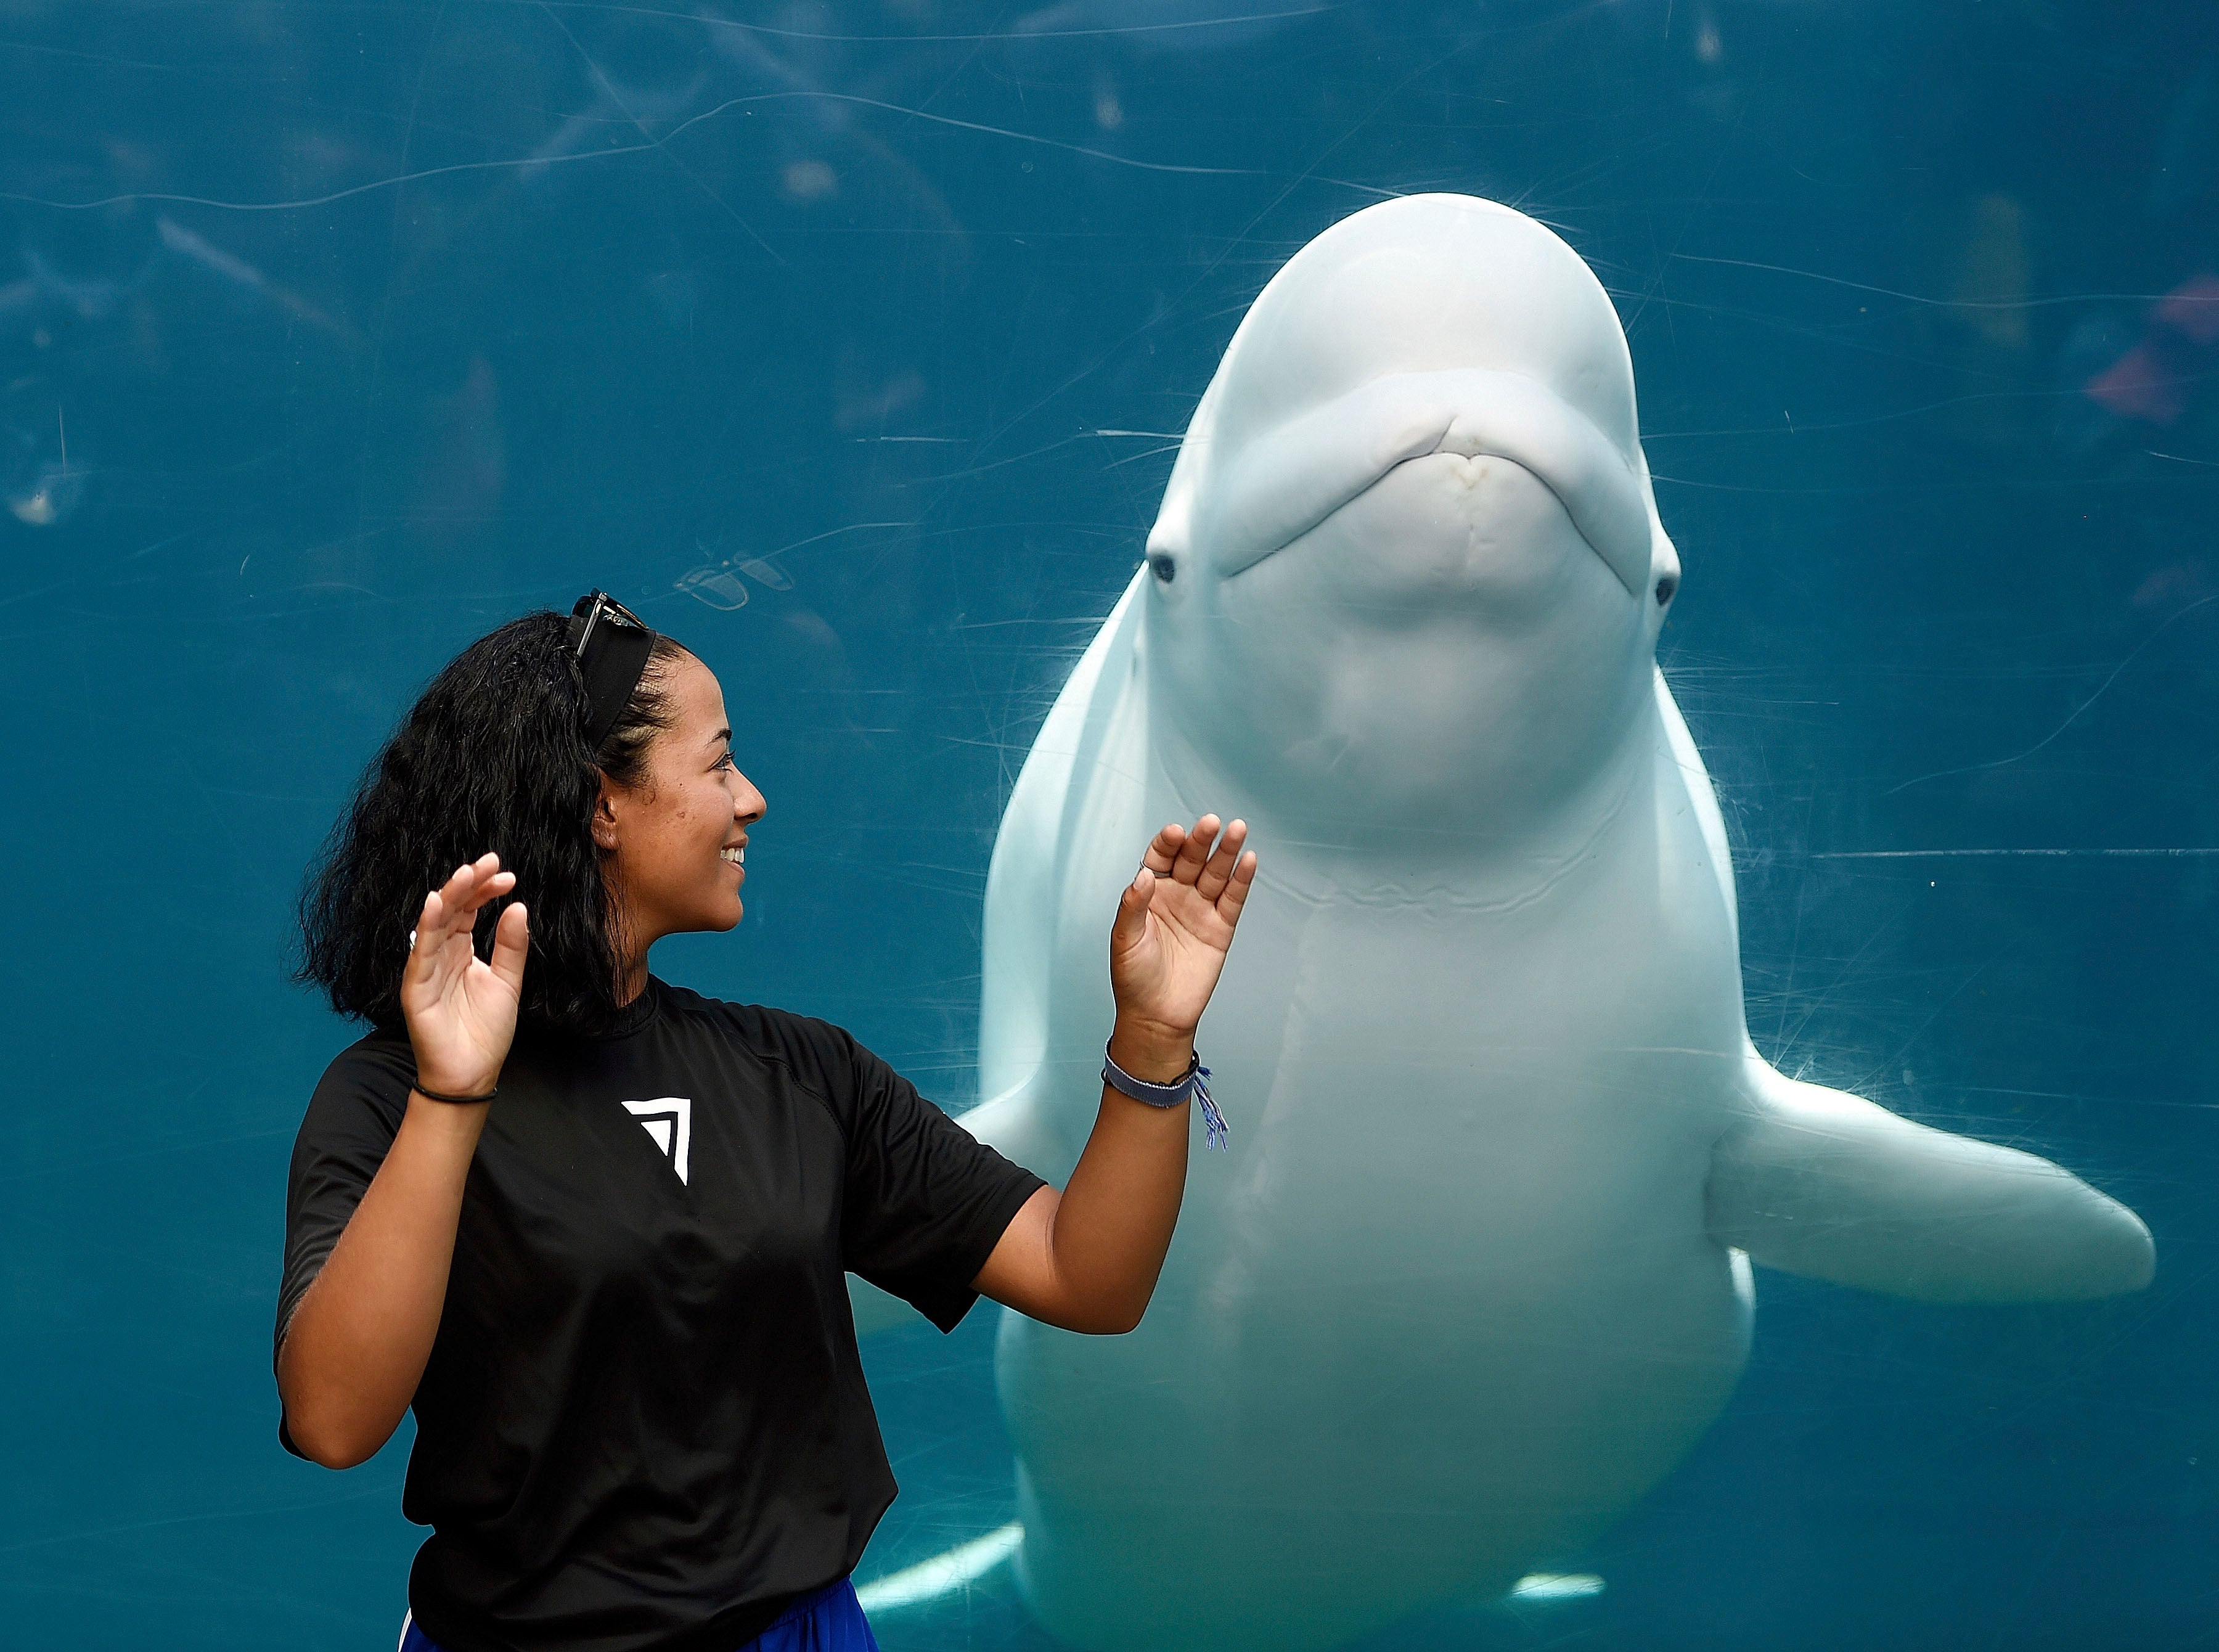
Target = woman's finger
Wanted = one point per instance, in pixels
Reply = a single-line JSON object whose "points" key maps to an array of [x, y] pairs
{"points": [[451, 911], [1194, 853], [1163, 850], [1131, 923], [442, 907], [453, 897], [512, 938], [1217, 871], [490, 889], [468, 888], [424, 940], [1236, 895], [473, 885]]}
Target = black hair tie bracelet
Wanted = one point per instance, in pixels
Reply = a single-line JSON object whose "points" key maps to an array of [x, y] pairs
{"points": [[455, 1101]]}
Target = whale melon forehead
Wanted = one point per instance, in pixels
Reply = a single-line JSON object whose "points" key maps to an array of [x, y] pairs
{"points": [[1420, 285]]}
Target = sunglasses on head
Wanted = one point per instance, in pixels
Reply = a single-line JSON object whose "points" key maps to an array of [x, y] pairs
{"points": [[590, 611], [611, 645]]}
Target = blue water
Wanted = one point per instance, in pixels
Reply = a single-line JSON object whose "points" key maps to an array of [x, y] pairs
{"points": [[851, 344]]}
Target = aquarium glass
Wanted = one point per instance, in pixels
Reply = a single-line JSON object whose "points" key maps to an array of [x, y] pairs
{"points": [[852, 344]]}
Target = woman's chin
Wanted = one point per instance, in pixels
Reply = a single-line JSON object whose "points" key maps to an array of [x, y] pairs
{"points": [[726, 906]]}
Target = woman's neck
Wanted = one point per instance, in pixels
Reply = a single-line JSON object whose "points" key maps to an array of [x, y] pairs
{"points": [[632, 976]]}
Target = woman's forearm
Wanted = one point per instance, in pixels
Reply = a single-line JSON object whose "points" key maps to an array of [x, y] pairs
{"points": [[1112, 1225], [357, 1346], [1087, 1260]]}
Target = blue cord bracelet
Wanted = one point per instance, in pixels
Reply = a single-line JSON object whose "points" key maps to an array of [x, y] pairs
{"points": [[1194, 1083]]}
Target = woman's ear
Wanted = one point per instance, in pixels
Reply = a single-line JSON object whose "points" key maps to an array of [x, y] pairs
{"points": [[604, 818]]}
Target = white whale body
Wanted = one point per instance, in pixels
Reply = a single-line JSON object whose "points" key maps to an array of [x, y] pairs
{"points": [[1475, 1271]]}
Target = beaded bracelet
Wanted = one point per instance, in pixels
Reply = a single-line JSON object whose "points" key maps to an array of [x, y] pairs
{"points": [[1194, 1083]]}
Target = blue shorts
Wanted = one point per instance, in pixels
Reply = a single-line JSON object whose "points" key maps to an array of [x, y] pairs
{"points": [[829, 1620]]}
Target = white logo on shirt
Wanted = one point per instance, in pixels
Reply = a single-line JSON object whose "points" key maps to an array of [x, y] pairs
{"points": [[669, 1121]]}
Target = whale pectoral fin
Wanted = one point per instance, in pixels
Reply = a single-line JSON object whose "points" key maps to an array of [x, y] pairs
{"points": [[1815, 1182], [1016, 1125], [877, 1310]]}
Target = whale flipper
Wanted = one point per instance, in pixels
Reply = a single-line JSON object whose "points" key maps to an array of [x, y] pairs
{"points": [[1813, 1181], [877, 1310]]}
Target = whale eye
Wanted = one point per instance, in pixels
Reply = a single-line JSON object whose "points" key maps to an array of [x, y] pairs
{"points": [[1665, 587], [1164, 567]]}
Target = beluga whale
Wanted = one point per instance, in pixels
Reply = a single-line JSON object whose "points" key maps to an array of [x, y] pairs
{"points": [[1474, 1271]]}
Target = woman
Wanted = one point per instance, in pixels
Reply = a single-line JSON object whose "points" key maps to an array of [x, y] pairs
{"points": [[615, 1296]]}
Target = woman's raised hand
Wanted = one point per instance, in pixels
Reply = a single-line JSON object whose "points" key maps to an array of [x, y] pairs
{"points": [[1174, 922], [462, 1010]]}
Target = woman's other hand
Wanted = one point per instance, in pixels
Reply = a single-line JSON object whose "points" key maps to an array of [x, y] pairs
{"points": [[1174, 924], [1087, 1258], [461, 1009]]}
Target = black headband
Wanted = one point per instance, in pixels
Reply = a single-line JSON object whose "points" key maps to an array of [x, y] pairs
{"points": [[610, 645]]}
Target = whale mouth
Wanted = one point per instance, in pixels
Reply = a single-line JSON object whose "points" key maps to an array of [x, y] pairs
{"points": [[1475, 521], [1292, 479]]}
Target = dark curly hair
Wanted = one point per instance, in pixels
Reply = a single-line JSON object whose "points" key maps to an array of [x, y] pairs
{"points": [[493, 756]]}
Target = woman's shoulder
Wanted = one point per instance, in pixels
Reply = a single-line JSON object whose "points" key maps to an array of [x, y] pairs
{"points": [[378, 1067], [819, 1054], [360, 1100]]}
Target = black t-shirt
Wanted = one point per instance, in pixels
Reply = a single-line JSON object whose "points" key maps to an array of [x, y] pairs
{"points": [[643, 1423]]}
